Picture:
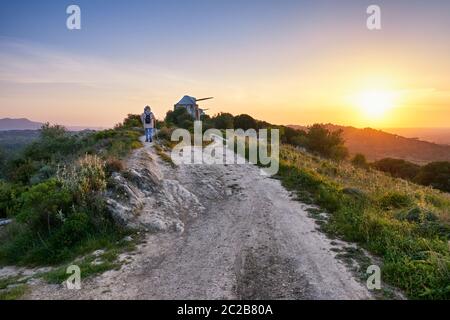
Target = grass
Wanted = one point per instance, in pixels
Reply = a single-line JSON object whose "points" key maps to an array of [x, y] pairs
{"points": [[91, 265], [18, 288], [13, 293], [405, 224], [14, 287], [164, 156]]}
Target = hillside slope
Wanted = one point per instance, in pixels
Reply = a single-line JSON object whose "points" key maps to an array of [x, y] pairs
{"points": [[244, 238], [377, 144]]}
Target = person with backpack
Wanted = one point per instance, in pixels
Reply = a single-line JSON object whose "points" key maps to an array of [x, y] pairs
{"points": [[148, 120]]}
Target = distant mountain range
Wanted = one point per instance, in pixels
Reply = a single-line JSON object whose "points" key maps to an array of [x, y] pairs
{"points": [[26, 124], [19, 124], [377, 144]]}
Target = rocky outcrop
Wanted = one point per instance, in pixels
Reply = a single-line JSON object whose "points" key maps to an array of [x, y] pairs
{"points": [[141, 196]]}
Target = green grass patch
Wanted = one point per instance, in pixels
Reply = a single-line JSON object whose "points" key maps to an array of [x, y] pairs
{"points": [[164, 156], [405, 224], [13, 293]]}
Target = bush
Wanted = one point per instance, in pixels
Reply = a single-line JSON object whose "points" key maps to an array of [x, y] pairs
{"points": [[59, 214], [87, 177], [359, 160], [75, 228], [6, 199], [113, 165], [397, 168], [165, 133], [55, 143], [44, 206], [435, 174]]}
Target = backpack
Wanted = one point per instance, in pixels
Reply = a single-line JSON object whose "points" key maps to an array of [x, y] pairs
{"points": [[148, 118]]}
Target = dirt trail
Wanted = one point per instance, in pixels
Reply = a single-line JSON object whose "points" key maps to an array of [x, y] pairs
{"points": [[241, 236]]}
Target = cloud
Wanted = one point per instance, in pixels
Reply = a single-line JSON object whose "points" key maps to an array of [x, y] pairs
{"points": [[24, 62]]}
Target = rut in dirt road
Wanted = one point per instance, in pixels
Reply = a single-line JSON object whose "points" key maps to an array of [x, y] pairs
{"points": [[218, 232]]}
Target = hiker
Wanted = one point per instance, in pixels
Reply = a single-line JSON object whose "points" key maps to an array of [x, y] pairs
{"points": [[148, 120]]}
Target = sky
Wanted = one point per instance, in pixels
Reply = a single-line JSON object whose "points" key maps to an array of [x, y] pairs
{"points": [[286, 62]]}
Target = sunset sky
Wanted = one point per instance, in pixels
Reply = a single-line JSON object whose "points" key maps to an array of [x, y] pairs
{"points": [[286, 62]]}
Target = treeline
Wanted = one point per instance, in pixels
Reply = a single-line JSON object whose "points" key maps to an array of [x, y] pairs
{"points": [[434, 174], [317, 139]]}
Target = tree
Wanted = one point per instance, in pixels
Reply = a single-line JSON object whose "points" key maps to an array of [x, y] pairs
{"points": [[326, 143], [179, 117], [292, 136], [223, 121], [245, 122], [132, 121], [52, 132]]}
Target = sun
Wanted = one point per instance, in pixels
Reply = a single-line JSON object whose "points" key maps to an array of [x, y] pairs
{"points": [[375, 103]]}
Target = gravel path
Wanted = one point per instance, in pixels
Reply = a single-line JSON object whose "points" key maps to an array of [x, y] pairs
{"points": [[246, 240]]}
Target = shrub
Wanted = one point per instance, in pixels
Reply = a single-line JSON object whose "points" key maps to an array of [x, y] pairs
{"points": [[75, 228], [435, 174], [44, 205], [359, 160], [54, 143], [85, 178], [397, 168], [6, 198], [113, 165], [165, 133]]}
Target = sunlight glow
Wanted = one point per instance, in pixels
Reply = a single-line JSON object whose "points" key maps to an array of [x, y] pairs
{"points": [[375, 103]]}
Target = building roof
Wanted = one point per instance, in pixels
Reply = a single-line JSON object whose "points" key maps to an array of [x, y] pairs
{"points": [[187, 100]]}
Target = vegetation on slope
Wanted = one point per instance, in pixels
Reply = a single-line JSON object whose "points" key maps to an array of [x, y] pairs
{"points": [[435, 174], [405, 224], [54, 192]]}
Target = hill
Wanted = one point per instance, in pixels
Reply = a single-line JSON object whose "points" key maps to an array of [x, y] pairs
{"points": [[435, 135], [19, 124], [377, 144], [11, 124]]}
